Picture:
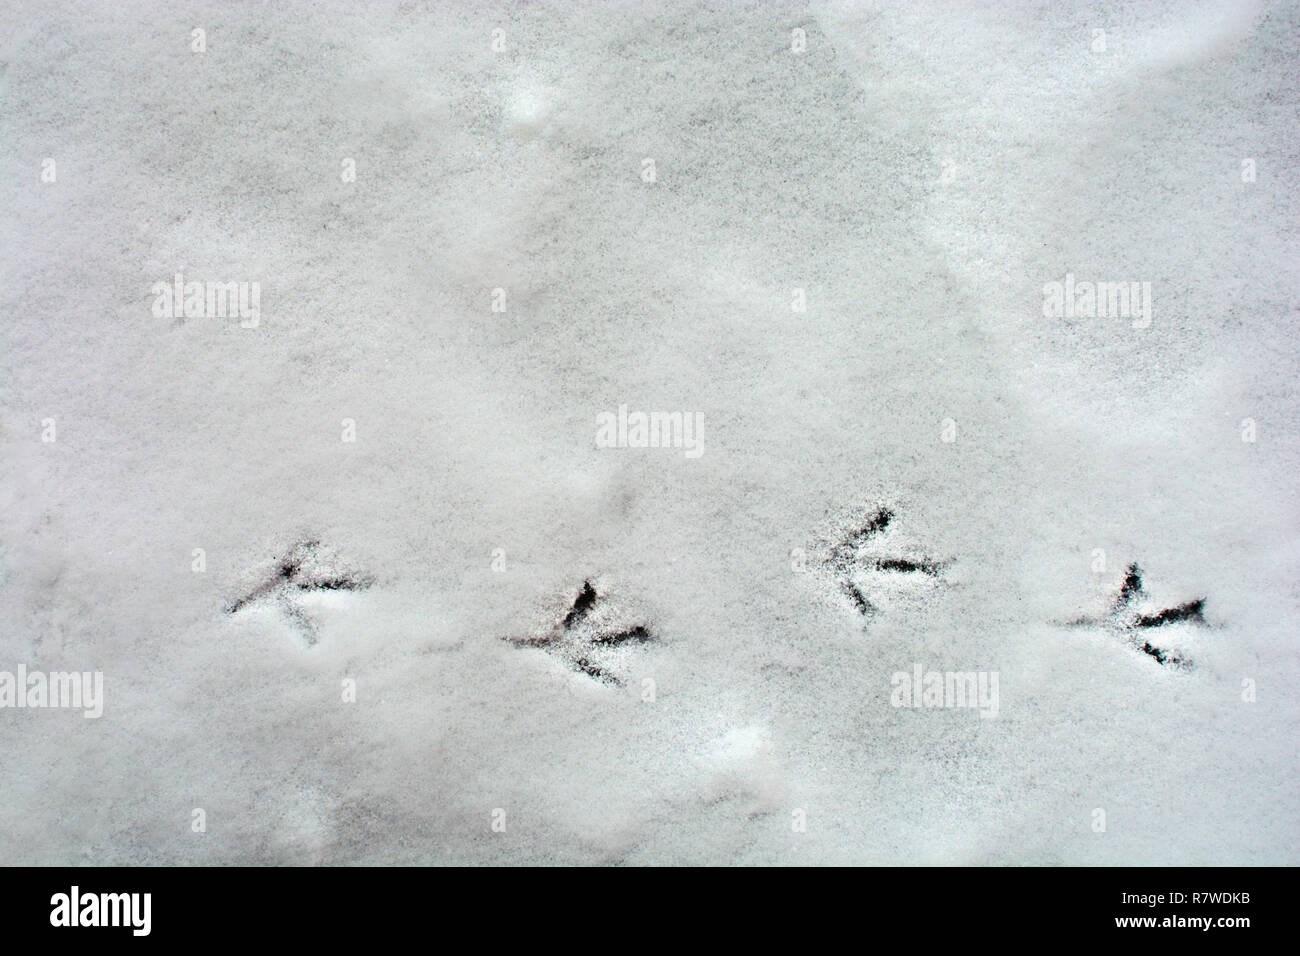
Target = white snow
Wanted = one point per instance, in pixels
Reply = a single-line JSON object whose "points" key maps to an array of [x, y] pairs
{"points": [[920, 170]]}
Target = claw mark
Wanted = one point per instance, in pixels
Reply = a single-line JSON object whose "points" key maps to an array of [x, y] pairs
{"points": [[302, 569], [306, 626], [1191, 611], [865, 607], [580, 634], [901, 564], [1164, 656], [591, 670], [844, 552], [1130, 590], [583, 603], [636, 634], [1124, 618]]}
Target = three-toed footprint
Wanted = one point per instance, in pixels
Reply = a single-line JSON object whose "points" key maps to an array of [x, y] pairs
{"points": [[1132, 616], [595, 635], [306, 568], [874, 567]]}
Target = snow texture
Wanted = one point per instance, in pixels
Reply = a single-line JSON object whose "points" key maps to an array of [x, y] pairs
{"points": [[566, 653]]}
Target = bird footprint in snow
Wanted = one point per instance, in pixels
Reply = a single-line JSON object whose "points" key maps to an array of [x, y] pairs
{"points": [[592, 636], [1130, 615], [307, 567], [868, 573]]}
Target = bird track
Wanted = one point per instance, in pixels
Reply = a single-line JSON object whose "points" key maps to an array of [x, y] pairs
{"points": [[589, 630], [306, 567], [849, 565], [1126, 619], [592, 629]]}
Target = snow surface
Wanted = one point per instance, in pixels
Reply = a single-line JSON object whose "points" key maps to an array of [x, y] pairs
{"points": [[921, 170]]}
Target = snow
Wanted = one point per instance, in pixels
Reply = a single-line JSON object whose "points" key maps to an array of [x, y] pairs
{"points": [[920, 170]]}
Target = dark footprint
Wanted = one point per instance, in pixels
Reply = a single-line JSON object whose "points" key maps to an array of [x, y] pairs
{"points": [[635, 635], [588, 630], [847, 564], [583, 603], [1125, 618], [306, 567], [1191, 611]]}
